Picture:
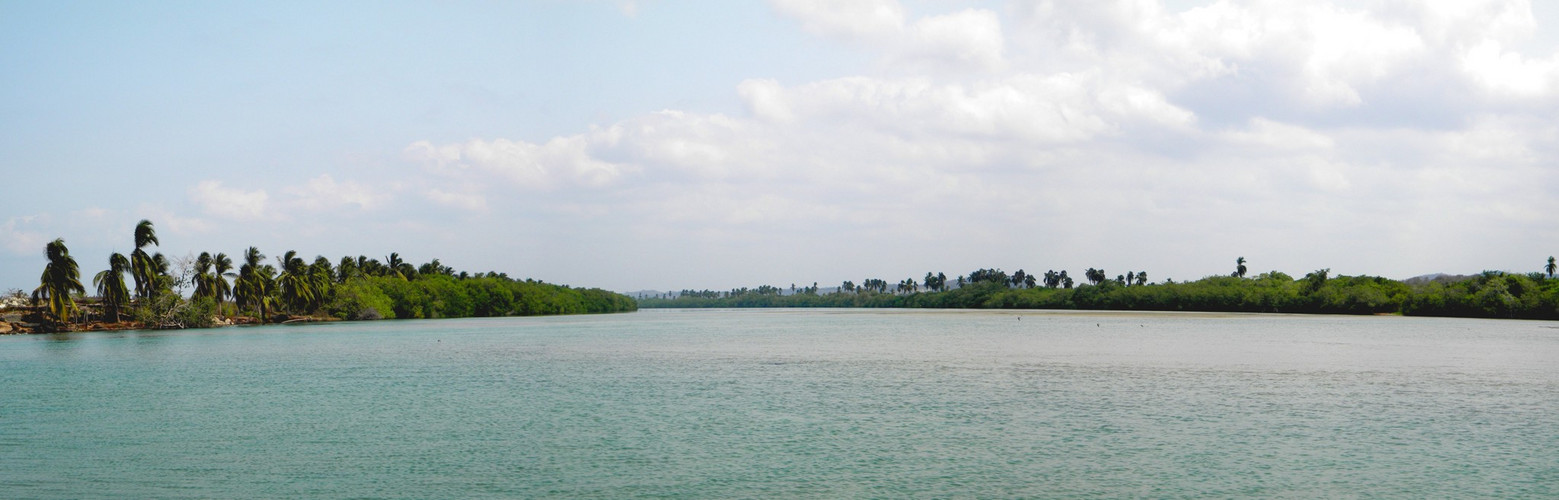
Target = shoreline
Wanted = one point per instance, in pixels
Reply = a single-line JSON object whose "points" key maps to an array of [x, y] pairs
{"points": [[9, 326], [13, 323]]}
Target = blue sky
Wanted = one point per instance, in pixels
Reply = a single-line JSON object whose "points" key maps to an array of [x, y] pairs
{"points": [[668, 145]]}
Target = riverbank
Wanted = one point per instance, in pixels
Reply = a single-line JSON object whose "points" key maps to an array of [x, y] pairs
{"points": [[14, 322]]}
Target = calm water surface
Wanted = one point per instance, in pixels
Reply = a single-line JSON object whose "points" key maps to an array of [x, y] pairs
{"points": [[790, 403]]}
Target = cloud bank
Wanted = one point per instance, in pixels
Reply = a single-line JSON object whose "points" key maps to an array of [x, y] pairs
{"points": [[1376, 137], [1390, 137]]}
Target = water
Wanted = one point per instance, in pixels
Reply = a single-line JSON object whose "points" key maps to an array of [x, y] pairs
{"points": [[789, 403]]}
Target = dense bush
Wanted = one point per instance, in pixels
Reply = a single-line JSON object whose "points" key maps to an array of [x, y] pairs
{"points": [[440, 296], [357, 299]]}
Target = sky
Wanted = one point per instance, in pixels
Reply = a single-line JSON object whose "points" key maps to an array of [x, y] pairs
{"points": [[664, 145]]}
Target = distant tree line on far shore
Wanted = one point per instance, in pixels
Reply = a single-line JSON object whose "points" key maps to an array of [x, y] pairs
{"points": [[1491, 294], [354, 288]]}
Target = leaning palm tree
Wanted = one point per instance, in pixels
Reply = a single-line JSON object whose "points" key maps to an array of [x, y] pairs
{"points": [[111, 286], [264, 279], [251, 289], [252, 259], [61, 278], [162, 281], [142, 267], [220, 289], [346, 270], [393, 262], [321, 277], [294, 283], [399, 268], [205, 286]]}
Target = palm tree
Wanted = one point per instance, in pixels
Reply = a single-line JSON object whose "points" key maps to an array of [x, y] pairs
{"points": [[400, 268], [1142, 278], [1239, 269], [321, 275], [61, 277], [265, 290], [162, 282], [371, 267], [220, 289], [111, 286], [347, 269], [294, 282], [243, 287], [255, 283], [142, 267], [205, 286], [1551, 267], [435, 267]]}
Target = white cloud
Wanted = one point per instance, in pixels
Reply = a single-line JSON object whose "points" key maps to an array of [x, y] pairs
{"points": [[221, 201], [676, 143], [1347, 49], [465, 201], [1044, 108], [1395, 60], [19, 237], [765, 99], [170, 222], [324, 192], [1275, 136], [1468, 22], [969, 38], [562, 161], [1508, 73]]}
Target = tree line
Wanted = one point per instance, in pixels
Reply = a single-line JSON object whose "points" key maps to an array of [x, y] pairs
{"points": [[1491, 294], [355, 288]]}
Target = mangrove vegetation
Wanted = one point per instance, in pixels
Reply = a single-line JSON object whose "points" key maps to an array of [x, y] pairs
{"points": [[1491, 294]]}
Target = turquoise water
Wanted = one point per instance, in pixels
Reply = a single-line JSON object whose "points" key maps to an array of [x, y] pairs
{"points": [[791, 403]]}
